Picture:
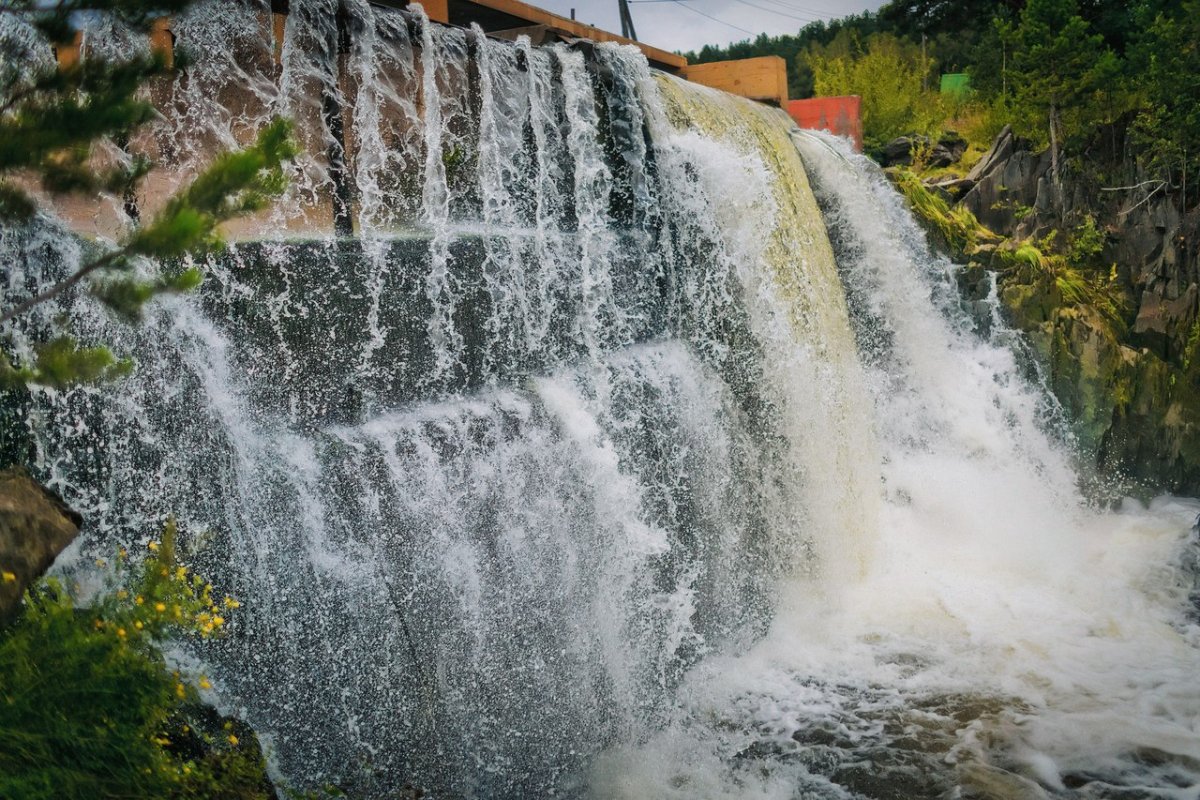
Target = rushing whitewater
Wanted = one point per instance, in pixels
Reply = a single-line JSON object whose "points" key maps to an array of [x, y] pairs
{"points": [[601, 454]]}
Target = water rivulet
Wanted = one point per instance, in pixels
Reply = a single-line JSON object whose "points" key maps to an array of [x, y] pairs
{"points": [[559, 440]]}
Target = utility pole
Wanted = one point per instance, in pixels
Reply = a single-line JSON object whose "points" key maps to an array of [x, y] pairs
{"points": [[924, 66], [626, 20]]}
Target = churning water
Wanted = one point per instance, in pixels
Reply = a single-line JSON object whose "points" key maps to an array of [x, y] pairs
{"points": [[608, 457]]}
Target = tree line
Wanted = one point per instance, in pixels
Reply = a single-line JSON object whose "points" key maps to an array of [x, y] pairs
{"points": [[1103, 79]]}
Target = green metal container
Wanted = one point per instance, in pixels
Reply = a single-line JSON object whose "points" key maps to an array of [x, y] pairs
{"points": [[956, 84]]}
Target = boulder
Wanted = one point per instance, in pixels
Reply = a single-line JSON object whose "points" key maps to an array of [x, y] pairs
{"points": [[35, 526], [1010, 192], [948, 149], [899, 151]]}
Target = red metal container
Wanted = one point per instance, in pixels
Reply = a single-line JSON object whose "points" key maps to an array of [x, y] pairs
{"points": [[838, 115]]}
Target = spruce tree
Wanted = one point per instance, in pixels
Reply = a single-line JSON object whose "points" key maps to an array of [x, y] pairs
{"points": [[50, 122], [1054, 68]]}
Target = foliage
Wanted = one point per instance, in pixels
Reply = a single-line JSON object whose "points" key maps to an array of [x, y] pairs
{"points": [[956, 226], [88, 707], [61, 362], [1056, 65], [50, 123], [1087, 243], [792, 47], [1167, 57], [1034, 264], [889, 74]]}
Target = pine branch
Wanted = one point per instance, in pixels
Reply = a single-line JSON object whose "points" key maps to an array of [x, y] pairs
{"points": [[54, 291], [235, 184]]}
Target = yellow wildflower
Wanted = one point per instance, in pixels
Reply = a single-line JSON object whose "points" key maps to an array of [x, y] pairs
{"points": [[153, 547], [99, 624], [160, 607], [9, 577], [218, 620], [231, 603], [180, 573], [204, 684], [180, 692], [139, 600], [100, 562], [122, 594], [137, 623], [233, 740], [121, 632]]}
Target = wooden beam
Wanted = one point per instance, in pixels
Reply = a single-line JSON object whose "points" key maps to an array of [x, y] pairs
{"points": [[536, 16], [67, 53], [538, 34], [763, 78], [438, 10], [278, 27]]}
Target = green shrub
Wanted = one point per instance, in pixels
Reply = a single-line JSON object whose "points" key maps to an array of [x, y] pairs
{"points": [[888, 73], [89, 709], [1087, 243], [955, 225]]}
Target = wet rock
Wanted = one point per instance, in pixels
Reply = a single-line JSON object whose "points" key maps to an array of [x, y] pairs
{"points": [[35, 526], [1160, 320], [984, 782]]}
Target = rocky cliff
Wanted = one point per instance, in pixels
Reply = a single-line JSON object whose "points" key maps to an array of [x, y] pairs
{"points": [[1104, 282]]}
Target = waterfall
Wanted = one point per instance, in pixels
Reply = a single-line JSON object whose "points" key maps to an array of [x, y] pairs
{"points": [[1007, 639], [572, 430]]}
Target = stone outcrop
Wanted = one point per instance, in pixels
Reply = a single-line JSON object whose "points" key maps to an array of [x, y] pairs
{"points": [[1128, 375], [35, 526]]}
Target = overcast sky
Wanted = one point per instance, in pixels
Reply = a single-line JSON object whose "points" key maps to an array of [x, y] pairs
{"points": [[690, 24]]}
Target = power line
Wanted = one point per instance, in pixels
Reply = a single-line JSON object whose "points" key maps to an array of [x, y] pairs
{"points": [[805, 19], [803, 9], [822, 15], [773, 11], [681, 4]]}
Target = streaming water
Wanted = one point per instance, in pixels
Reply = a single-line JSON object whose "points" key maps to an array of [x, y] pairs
{"points": [[604, 458]]}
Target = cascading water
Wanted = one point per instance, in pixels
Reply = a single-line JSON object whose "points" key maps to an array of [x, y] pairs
{"points": [[1006, 640], [574, 471]]}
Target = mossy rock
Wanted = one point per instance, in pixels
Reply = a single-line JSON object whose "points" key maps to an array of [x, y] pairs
{"points": [[35, 526]]}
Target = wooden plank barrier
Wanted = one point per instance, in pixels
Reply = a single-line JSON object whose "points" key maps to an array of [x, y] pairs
{"points": [[763, 78]]}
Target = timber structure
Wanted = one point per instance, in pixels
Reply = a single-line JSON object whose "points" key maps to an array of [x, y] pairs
{"points": [[763, 78]]}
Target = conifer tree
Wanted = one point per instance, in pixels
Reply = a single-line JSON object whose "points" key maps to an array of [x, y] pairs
{"points": [[1055, 68], [50, 122], [1168, 59]]}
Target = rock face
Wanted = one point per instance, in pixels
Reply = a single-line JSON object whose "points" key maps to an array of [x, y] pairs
{"points": [[35, 526], [1131, 384]]}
